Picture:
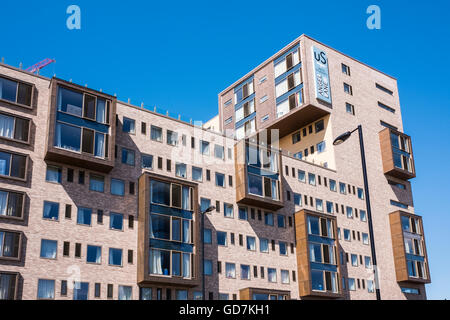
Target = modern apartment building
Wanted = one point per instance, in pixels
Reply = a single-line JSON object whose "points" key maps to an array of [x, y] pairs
{"points": [[100, 199]]}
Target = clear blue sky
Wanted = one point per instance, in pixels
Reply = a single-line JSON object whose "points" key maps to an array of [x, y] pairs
{"points": [[179, 55]]}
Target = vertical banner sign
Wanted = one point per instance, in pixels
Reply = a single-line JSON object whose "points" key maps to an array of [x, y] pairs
{"points": [[321, 75]]}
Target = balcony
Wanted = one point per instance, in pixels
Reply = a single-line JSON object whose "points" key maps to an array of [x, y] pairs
{"points": [[408, 243], [397, 154], [258, 176], [263, 294], [317, 260], [168, 236], [82, 127]]}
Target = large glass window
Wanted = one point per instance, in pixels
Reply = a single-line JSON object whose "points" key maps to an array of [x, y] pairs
{"points": [[12, 165], [197, 174], [128, 156], [160, 192], [53, 174], [230, 270], [48, 249], [97, 183], [125, 293], [8, 286], [9, 244], [84, 216], [255, 185], [116, 221], [81, 291], [115, 257], [68, 137], [51, 210], [156, 133], [160, 262], [46, 289], [221, 238], [117, 187], [70, 101], [245, 272], [160, 226], [11, 204], [94, 254], [14, 128], [129, 125]]}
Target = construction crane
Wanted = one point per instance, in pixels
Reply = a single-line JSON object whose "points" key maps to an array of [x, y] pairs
{"points": [[38, 66]]}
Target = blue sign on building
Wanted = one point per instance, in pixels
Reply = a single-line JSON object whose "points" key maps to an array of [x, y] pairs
{"points": [[321, 75]]}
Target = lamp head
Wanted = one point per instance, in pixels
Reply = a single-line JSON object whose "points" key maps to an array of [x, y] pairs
{"points": [[342, 138]]}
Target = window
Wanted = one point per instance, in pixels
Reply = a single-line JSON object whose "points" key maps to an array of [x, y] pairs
{"points": [[409, 290], [14, 128], [16, 92], [386, 107], [263, 245], [81, 291], [349, 108], [265, 118], [319, 205], [354, 260], [81, 177], [97, 183], [146, 294], [245, 272], [10, 244], [378, 86], [128, 125], [46, 289], [115, 257], [180, 170], [365, 238], [156, 133], [128, 156], [281, 219], [348, 89], [125, 293], [230, 270], [346, 69], [207, 268], [221, 238], [172, 138], [351, 284], [297, 199], [204, 148], [147, 161], [361, 193], [48, 248], [94, 254], [268, 218], [100, 216], [363, 215], [301, 176], [116, 221], [283, 248], [330, 208], [251, 243], [84, 216], [228, 102], [349, 212], [77, 250], [66, 249], [399, 204], [229, 120], [312, 179], [367, 262], [243, 213], [117, 187], [272, 274], [51, 210], [285, 276], [342, 188], [53, 174], [220, 180], [320, 126], [207, 236], [228, 210], [321, 147], [11, 204], [197, 174], [333, 185], [219, 152], [296, 137]]}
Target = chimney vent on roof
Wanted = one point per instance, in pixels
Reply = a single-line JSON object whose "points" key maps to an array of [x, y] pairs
{"points": [[85, 85], [142, 105], [101, 90], [3, 59], [20, 65], [70, 80], [129, 100]]}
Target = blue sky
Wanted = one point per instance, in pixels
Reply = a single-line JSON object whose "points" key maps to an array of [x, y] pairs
{"points": [[179, 55]]}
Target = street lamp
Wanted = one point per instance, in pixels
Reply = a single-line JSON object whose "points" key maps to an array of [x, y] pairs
{"points": [[339, 140], [211, 208]]}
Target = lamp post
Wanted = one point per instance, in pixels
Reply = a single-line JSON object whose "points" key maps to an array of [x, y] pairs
{"points": [[211, 208], [339, 140]]}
